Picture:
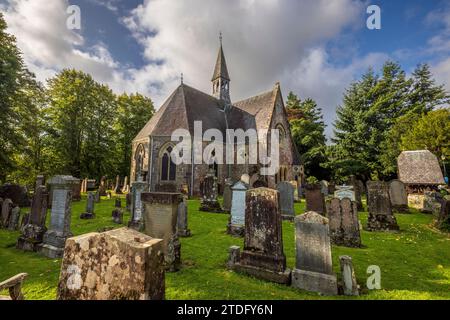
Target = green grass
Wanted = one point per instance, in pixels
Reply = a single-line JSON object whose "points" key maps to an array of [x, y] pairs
{"points": [[415, 263]]}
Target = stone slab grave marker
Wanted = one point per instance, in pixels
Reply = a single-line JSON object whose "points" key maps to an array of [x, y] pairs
{"points": [[126, 187], [381, 217], [97, 197], [14, 218], [118, 203], [76, 191], [315, 200], [343, 222], [398, 196], [137, 218], [345, 191], [227, 195], [120, 264], [6, 212], [90, 204], [102, 188], [313, 269], [33, 229], [349, 284], [182, 220], [160, 220], [209, 192], [263, 255], [295, 186], [286, 200], [236, 225], [117, 216], [60, 216], [117, 189]]}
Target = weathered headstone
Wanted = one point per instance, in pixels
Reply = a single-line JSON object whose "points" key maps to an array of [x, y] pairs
{"points": [[160, 220], [209, 192], [349, 284], [381, 217], [345, 192], [118, 203], [59, 230], [343, 222], [84, 185], [6, 212], [295, 186], [102, 187], [117, 216], [236, 225], [315, 200], [286, 200], [137, 218], [182, 220], [89, 213], [227, 195], [314, 270], [76, 191], [398, 196], [263, 255], [33, 229], [117, 189], [126, 188], [14, 218], [97, 197], [121, 264]]}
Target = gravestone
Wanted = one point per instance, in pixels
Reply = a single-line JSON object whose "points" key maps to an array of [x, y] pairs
{"points": [[349, 284], [91, 185], [343, 222], [315, 200], [6, 212], [209, 192], [345, 191], [263, 255], [84, 185], [118, 203], [398, 196], [117, 216], [160, 220], [381, 217], [102, 187], [324, 187], [33, 229], [129, 200], [227, 195], [313, 268], [97, 197], [117, 189], [89, 213], [14, 218], [126, 188], [432, 203], [76, 192], [245, 178], [182, 219], [137, 218], [286, 200], [59, 230], [295, 186], [236, 225], [356, 188], [120, 264]]}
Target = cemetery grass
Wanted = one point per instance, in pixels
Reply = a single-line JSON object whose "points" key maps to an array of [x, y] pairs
{"points": [[415, 263]]}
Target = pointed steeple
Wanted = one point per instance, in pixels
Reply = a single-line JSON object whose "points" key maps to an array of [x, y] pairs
{"points": [[221, 79]]}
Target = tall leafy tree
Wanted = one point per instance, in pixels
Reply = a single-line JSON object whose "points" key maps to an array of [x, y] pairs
{"points": [[133, 112]]}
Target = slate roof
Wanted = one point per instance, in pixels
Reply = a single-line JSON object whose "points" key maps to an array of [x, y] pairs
{"points": [[419, 167], [221, 70]]}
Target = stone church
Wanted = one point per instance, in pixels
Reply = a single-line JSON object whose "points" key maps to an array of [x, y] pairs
{"points": [[152, 146]]}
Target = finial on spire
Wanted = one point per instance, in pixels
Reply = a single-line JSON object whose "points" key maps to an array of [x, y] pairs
{"points": [[220, 37], [181, 78]]}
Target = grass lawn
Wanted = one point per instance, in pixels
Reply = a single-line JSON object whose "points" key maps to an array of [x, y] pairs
{"points": [[415, 263]]}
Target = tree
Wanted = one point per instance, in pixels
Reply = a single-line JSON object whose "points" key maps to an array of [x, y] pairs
{"points": [[308, 129], [133, 112]]}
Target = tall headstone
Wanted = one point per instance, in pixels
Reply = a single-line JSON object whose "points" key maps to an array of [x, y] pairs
{"points": [[209, 192], [349, 284], [313, 268], [398, 196], [14, 218], [286, 200], [343, 222], [33, 229], [236, 225], [160, 220], [6, 212], [345, 191], [89, 213], [137, 218], [381, 217], [120, 264], [59, 230], [76, 191], [97, 197], [125, 188], [227, 195], [295, 186], [263, 255], [117, 189], [182, 220], [102, 188], [315, 200]]}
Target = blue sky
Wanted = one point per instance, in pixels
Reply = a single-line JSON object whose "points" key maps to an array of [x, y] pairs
{"points": [[313, 47]]}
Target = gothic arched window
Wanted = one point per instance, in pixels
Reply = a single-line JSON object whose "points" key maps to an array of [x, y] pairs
{"points": [[282, 132], [168, 168]]}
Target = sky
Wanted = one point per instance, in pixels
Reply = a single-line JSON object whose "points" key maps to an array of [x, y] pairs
{"points": [[314, 48]]}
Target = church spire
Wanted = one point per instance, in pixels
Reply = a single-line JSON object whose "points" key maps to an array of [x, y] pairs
{"points": [[221, 79]]}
